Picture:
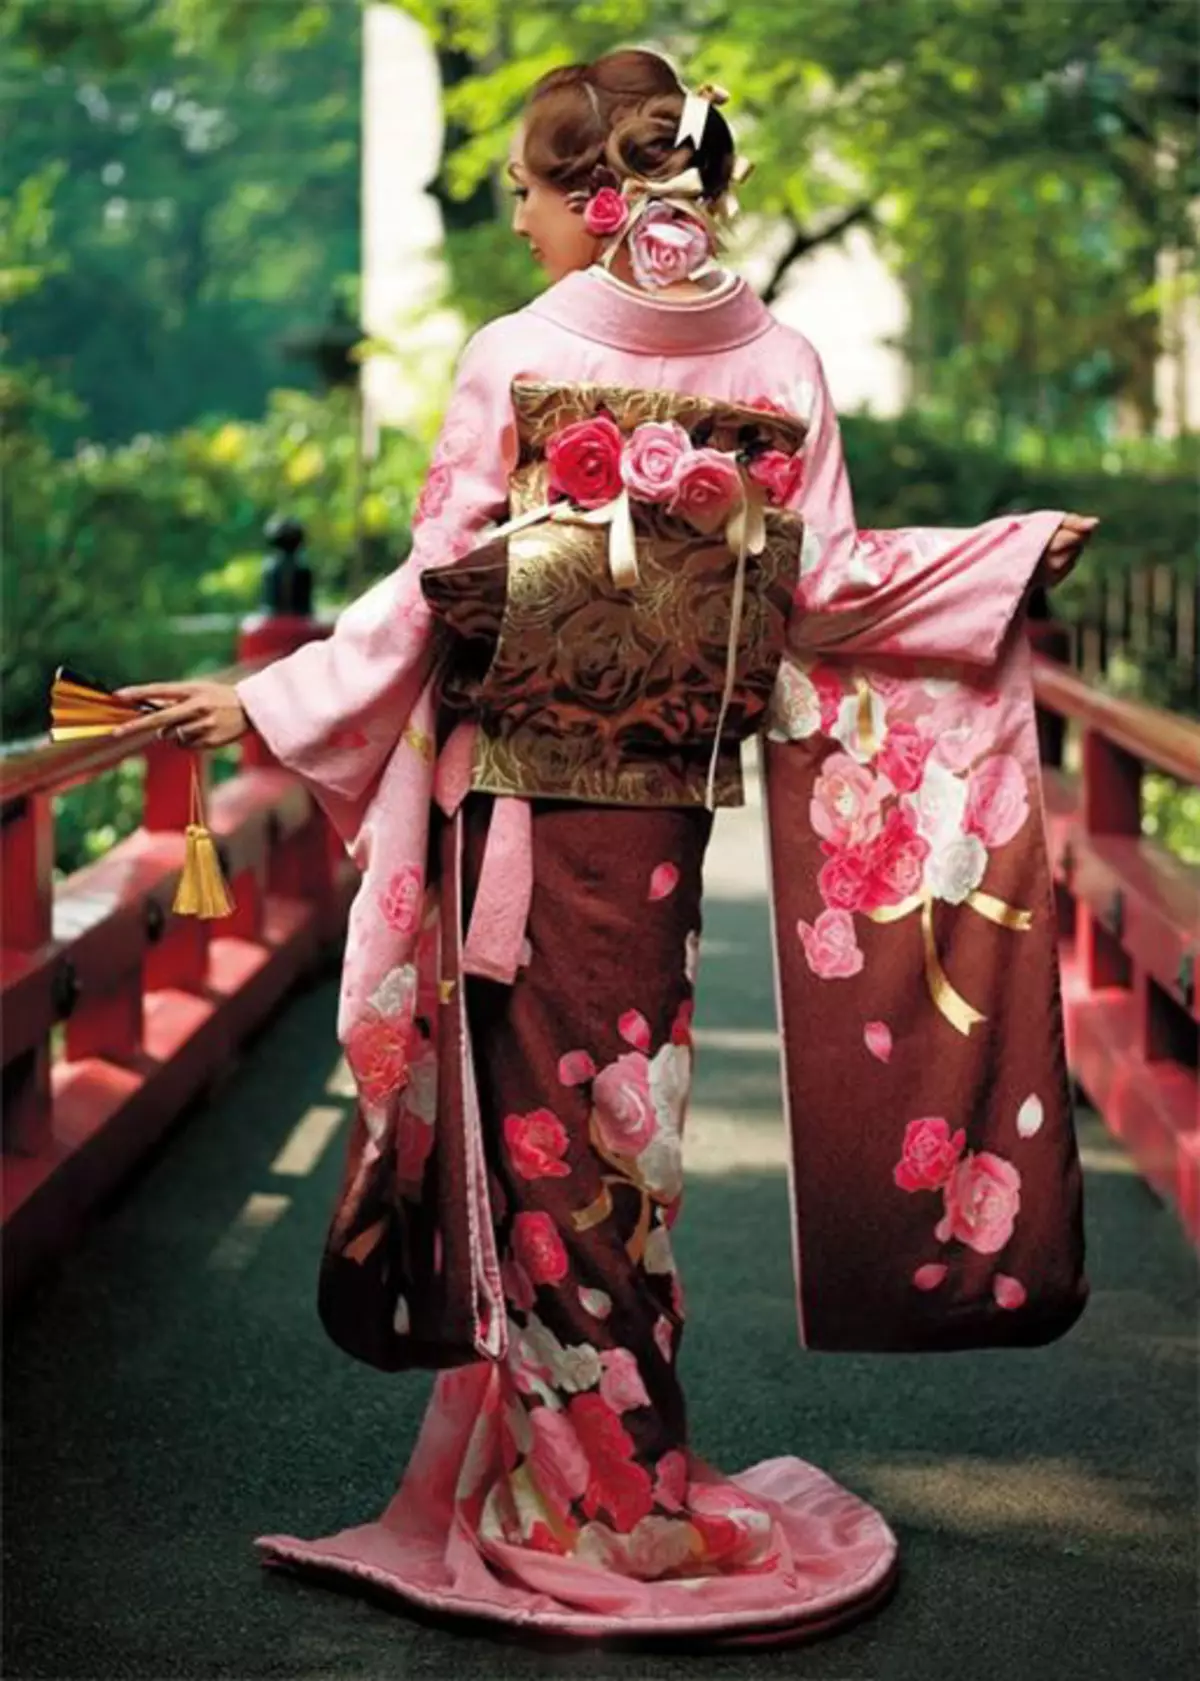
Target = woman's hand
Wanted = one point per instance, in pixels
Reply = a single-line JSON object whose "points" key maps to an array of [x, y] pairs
{"points": [[1063, 550], [200, 713]]}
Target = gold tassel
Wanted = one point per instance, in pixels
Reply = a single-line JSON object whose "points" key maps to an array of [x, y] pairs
{"points": [[203, 890]]}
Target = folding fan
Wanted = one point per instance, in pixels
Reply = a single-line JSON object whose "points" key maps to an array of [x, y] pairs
{"points": [[81, 709]]}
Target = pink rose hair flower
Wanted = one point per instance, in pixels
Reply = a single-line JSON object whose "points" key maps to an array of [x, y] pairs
{"points": [[666, 246], [585, 461], [606, 212]]}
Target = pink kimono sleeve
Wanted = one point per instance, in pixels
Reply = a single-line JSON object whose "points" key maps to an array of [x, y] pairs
{"points": [[935, 1183], [332, 710], [920, 592]]}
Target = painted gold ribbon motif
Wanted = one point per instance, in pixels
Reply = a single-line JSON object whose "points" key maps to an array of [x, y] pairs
{"points": [[600, 1207], [951, 1003]]}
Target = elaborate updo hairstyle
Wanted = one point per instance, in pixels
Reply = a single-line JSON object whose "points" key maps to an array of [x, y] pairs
{"points": [[591, 125]]}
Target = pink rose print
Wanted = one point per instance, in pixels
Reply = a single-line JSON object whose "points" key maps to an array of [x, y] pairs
{"points": [[621, 1385], [377, 1051], [671, 1480], [662, 1336], [653, 456], [779, 473], [557, 1460], [400, 901], [982, 1197], [997, 799], [830, 945], [930, 1276], [928, 1155], [624, 1112], [663, 882], [961, 726], [538, 1247], [877, 1036], [585, 461], [708, 487], [517, 1285], [766, 403], [846, 808], [896, 861], [1008, 1292], [435, 493], [902, 756], [537, 1143], [575, 1067], [606, 212], [635, 1030], [667, 246]]}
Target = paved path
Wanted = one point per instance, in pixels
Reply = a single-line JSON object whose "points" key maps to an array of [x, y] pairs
{"points": [[170, 1394]]}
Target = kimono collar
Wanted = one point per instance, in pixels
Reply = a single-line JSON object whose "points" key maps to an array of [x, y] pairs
{"points": [[596, 307]]}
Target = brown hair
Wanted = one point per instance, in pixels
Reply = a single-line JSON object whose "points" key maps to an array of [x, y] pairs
{"points": [[616, 117]]}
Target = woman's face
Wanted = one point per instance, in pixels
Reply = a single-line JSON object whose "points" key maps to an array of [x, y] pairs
{"points": [[556, 234]]}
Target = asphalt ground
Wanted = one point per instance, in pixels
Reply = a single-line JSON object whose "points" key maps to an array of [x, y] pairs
{"points": [[169, 1394]]}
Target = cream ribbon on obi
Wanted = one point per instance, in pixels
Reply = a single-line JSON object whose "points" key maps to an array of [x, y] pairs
{"points": [[683, 192], [745, 533]]}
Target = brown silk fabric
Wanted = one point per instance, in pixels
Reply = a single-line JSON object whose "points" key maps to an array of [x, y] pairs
{"points": [[588, 691], [860, 1238]]}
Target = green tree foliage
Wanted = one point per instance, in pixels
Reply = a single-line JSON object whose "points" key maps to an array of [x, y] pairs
{"points": [[200, 164], [1020, 161]]}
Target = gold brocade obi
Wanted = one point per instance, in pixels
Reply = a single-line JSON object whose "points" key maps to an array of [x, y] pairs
{"points": [[612, 692]]}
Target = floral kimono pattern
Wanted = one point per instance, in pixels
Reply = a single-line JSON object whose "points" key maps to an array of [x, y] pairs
{"points": [[514, 1175]]}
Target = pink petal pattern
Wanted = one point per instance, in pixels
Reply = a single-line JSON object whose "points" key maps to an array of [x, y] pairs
{"points": [[663, 882], [576, 1067], [877, 1036], [635, 1030], [929, 1277], [1009, 1292]]}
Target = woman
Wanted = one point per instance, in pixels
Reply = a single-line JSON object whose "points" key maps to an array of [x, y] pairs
{"points": [[526, 777]]}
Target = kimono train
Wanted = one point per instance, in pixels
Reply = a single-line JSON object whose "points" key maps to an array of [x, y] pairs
{"points": [[521, 736]]}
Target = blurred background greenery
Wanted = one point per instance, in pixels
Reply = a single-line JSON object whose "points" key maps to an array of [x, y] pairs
{"points": [[179, 261]]}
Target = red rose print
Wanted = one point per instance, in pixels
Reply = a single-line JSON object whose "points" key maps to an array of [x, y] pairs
{"points": [[537, 1143], [599, 1429], [928, 1155], [895, 861], [623, 1490], [543, 1540], [377, 1051], [681, 1027], [902, 757], [539, 1248], [585, 461]]}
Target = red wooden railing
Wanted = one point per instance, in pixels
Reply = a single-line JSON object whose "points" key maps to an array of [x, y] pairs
{"points": [[1129, 924], [153, 1006]]}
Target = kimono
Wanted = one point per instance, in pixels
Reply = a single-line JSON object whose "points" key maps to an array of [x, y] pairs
{"points": [[521, 736]]}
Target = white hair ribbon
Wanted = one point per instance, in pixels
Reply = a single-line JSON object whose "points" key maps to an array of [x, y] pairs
{"points": [[692, 120]]}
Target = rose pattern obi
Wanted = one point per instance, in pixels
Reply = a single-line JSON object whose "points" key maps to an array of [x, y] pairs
{"points": [[587, 689]]}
